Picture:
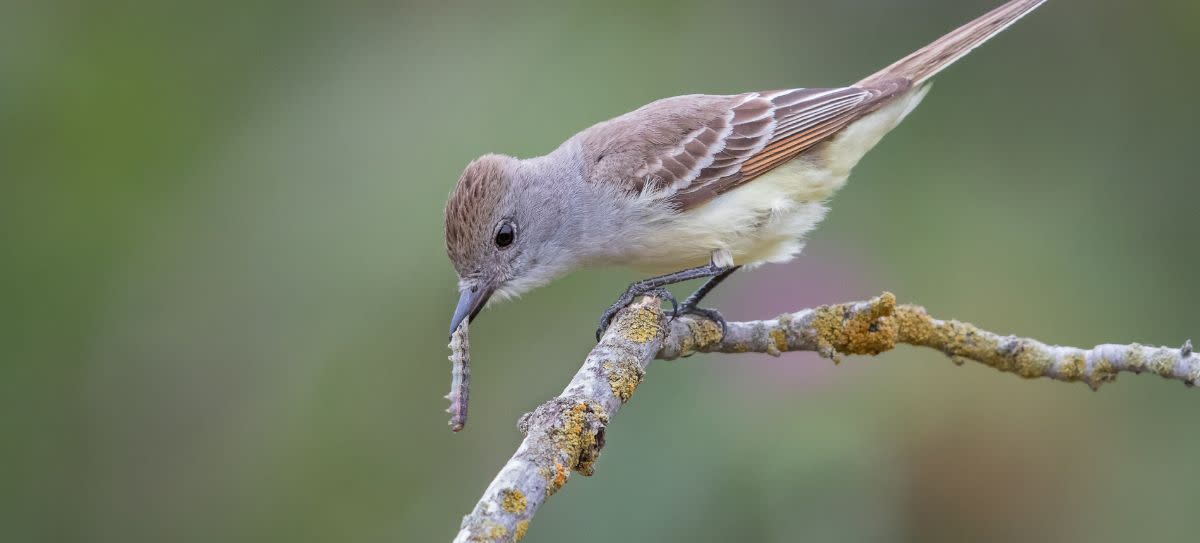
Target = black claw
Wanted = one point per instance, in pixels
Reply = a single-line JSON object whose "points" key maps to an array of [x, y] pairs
{"points": [[664, 294], [609, 314], [710, 314], [654, 286], [607, 317]]}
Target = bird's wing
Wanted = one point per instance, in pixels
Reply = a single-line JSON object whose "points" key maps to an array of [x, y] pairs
{"points": [[690, 149]]}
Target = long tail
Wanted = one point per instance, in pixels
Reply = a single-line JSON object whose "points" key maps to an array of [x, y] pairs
{"points": [[927, 61]]}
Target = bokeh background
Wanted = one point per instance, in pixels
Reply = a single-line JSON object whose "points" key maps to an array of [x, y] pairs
{"points": [[225, 292]]}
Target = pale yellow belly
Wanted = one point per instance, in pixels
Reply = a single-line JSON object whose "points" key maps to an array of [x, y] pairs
{"points": [[767, 219], [764, 221]]}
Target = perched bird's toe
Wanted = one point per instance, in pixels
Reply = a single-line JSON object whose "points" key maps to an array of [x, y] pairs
{"points": [[627, 298], [702, 312], [607, 317], [664, 294]]}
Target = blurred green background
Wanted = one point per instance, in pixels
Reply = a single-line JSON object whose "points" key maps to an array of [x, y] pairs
{"points": [[225, 292]]}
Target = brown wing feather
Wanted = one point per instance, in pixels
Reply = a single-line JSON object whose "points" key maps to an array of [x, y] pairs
{"points": [[692, 148], [785, 124], [663, 145]]}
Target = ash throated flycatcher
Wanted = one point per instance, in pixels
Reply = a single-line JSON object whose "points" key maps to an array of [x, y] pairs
{"points": [[690, 186]]}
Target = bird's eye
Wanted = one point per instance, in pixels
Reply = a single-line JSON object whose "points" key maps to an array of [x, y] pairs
{"points": [[505, 234]]}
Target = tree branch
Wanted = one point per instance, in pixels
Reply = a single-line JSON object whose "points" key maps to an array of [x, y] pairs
{"points": [[566, 433]]}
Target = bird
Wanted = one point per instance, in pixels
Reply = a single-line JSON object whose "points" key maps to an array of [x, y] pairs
{"points": [[687, 187]]}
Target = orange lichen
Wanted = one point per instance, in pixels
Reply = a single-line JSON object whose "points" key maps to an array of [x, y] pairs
{"points": [[522, 527], [556, 479]]}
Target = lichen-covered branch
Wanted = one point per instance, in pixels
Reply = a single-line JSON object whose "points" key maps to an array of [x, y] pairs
{"points": [[878, 325], [566, 434]]}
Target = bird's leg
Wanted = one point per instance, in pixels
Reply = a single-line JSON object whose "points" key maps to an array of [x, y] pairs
{"points": [[654, 286], [691, 303]]}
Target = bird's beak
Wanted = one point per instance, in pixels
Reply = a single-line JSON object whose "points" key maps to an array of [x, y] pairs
{"points": [[470, 301]]}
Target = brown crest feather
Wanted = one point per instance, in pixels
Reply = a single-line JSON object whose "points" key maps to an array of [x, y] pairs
{"points": [[469, 210]]}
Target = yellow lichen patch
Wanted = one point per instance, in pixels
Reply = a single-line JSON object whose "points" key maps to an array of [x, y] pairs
{"points": [[779, 336], [522, 527], [827, 322], [1162, 363], [883, 306], [624, 376], [1027, 359], [914, 326], [1102, 372], [963, 341], [779, 339], [1072, 367], [842, 330], [576, 435], [489, 530], [870, 336], [513, 501], [640, 324], [960, 339], [703, 333], [1032, 362], [568, 437]]}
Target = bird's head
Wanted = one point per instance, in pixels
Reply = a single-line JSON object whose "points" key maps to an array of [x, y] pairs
{"points": [[504, 233]]}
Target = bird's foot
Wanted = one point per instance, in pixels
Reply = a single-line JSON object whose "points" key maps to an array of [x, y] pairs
{"points": [[632, 292], [690, 308]]}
